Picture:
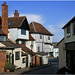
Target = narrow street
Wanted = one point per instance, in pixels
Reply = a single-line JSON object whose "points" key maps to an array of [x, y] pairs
{"points": [[48, 70]]}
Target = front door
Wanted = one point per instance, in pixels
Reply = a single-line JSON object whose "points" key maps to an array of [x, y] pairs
{"points": [[40, 60], [70, 59]]}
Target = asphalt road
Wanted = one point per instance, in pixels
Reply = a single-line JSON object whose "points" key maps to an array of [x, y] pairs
{"points": [[48, 70]]}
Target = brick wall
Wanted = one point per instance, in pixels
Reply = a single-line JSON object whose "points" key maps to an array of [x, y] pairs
{"points": [[36, 60], [2, 60], [5, 18], [33, 60]]}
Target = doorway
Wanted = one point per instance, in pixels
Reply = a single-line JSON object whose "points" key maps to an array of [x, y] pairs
{"points": [[70, 59]]}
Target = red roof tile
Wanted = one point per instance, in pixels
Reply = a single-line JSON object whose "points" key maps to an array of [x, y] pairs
{"points": [[9, 44], [31, 38], [38, 28], [26, 49], [17, 21]]}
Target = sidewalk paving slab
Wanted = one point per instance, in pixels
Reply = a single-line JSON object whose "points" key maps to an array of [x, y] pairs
{"points": [[26, 70]]}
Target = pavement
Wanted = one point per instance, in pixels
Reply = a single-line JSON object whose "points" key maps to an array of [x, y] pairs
{"points": [[26, 70]]}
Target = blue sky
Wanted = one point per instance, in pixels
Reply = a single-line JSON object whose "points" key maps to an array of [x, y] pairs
{"points": [[51, 14]]}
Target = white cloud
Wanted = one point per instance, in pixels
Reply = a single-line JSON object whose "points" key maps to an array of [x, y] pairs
{"points": [[57, 31], [32, 17]]}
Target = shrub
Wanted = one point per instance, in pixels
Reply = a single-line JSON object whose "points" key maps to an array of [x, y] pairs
{"points": [[9, 66]]}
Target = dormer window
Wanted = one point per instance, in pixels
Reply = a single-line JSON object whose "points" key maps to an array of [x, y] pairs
{"points": [[10, 23], [68, 31], [23, 31]]}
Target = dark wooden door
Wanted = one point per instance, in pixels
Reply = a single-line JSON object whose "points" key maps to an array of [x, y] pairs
{"points": [[70, 59], [26, 61], [40, 60]]}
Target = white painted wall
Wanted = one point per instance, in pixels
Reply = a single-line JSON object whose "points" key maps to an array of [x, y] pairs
{"points": [[28, 43], [23, 64], [40, 47], [15, 33], [48, 48], [45, 59], [43, 47], [29, 60], [17, 62], [55, 52], [44, 38], [21, 36]]}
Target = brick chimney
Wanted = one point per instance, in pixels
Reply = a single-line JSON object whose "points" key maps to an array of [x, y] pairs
{"points": [[16, 14], [5, 18]]}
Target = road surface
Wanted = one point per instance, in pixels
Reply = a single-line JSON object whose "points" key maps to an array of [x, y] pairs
{"points": [[48, 70]]}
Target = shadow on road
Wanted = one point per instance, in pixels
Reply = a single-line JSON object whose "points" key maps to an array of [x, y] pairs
{"points": [[53, 60]]}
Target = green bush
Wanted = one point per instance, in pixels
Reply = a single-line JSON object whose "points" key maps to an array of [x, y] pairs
{"points": [[9, 66]]}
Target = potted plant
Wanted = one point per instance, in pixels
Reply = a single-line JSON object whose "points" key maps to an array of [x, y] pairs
{"points": [[9, 67]]}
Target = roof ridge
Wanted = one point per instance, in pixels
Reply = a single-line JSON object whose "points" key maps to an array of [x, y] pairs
{"points": [[40, 25], [46, 29], [34, 27], [16, 17], [22, 21]]}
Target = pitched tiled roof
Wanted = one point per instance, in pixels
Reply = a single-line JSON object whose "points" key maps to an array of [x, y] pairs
{"points": [[13, 44], [17, 21], [38, 28], [31, 38], [9, 44], [26, 49], [2, 33]]}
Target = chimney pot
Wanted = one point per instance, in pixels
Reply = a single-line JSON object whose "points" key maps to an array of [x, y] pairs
{"points": [[16, 14], [5, 3], [16, 11]]}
